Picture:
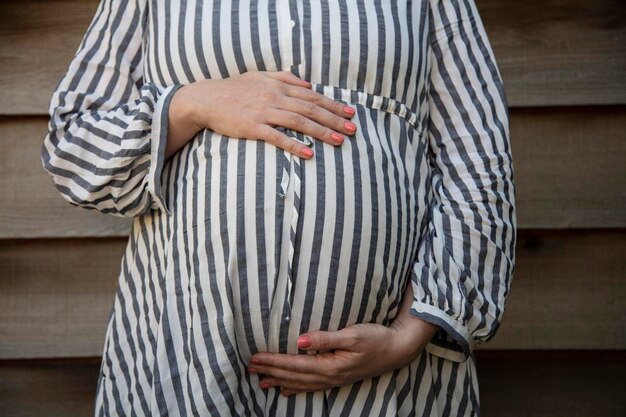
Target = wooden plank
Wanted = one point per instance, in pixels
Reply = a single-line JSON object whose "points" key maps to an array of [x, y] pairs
{"points": [[568, 163], [570, 166], [568, 292], [552, 384], [58, 387], [38, 39], [512, 384], [56, 296], [31, 206], [558, 52]]}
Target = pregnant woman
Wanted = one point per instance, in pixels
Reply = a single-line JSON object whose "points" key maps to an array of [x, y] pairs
{"points": [[322, 199]]}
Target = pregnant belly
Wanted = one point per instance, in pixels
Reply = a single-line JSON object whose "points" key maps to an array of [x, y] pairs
{"points": [[273, 245]]}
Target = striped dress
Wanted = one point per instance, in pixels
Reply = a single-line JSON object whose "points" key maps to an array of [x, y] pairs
{"points": [[238, 247]]}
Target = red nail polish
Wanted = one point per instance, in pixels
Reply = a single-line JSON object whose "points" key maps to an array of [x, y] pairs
{"points": [[255, 361], [265, 385], [252, 370], [337, 136], [304, 342], [350, 126], [307, 152], [348, 110]]}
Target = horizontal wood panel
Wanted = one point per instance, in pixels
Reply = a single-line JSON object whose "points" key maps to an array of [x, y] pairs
{"points": [[568, 292], [552, 384], [570, 166], [38, 39], [569, 169], [512, 384], [56, 295], [52, 387], [31, 206], [557, 52]]}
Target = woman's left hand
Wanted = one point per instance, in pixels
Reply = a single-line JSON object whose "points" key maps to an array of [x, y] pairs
{"points": [[346, 356]]}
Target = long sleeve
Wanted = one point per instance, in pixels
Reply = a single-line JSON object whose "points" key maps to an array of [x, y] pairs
{"points": [[465, 260], [107, 131]]}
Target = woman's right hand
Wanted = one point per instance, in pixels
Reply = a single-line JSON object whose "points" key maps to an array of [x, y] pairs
{"points": [[251, 104]]}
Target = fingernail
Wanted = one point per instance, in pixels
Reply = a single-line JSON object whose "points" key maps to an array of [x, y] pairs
{"points": [[337, 136], [307, 152], [350, 126], [252, 370], [265, 385], [304, 342], [348, 110], [255, 361], [286, 393]]}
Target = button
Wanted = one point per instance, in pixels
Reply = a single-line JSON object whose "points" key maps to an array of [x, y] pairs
{"points": [[292, 23]]}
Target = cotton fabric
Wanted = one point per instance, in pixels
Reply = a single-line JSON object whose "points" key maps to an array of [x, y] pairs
{"points": [[237, 246]]}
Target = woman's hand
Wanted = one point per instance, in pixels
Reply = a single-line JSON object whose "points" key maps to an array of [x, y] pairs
{"points": [[251, 104], [348, 355]]}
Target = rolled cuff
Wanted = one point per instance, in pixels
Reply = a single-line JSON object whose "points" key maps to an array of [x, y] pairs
{"points": [[158, 142], [453, 341]]}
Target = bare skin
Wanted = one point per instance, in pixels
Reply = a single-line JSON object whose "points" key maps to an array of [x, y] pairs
{"points": [[347, 355], [251, 104]]}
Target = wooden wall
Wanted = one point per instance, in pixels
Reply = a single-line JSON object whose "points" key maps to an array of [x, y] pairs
{"points": [[561, 349]]}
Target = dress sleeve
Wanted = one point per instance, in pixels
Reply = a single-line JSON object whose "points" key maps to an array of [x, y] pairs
{"points": [[465, 259], [108, 128]]}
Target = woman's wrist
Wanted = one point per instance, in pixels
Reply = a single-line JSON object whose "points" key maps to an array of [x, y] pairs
{"points": [[411, 334], [182, 119]]}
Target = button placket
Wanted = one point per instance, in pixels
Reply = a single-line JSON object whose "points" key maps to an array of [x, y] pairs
{"points": [[290, 184], [286, 29], [290, 191]]}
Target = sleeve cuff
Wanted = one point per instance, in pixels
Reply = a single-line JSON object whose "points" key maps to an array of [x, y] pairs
{"points": [[158, 140], [453, 341]]}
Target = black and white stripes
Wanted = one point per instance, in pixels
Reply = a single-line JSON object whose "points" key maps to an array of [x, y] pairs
{"points": [[239, 247]]}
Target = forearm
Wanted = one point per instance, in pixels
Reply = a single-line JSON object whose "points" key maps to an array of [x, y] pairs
{"points": [[182, 126], [415, 333]]}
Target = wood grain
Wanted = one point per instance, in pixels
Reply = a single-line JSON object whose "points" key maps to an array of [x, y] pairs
{"points": [[512, 384], [552, 383], [569, 167], [555, 52], [38, 39], [568, 292], [559, 52], [56, 388], [56, 295], [31, 206]]}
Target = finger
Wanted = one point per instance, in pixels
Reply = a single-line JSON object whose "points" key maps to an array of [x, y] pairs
{"points": [[328, 121], [334, 106], [289, 391], [305, 364], [291, 378], [301, 123], [269, 382], [289, 78], [282, 141], [345, 339]]}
